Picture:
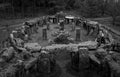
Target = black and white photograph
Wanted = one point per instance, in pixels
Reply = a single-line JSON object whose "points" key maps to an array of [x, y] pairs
{"points": [[59, 38]]}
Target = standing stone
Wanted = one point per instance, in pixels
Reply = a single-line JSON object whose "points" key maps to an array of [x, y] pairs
{"points": [[44, 33], [78, 34], [73, 26], [83, 58], [31, 28], [62, 25]]}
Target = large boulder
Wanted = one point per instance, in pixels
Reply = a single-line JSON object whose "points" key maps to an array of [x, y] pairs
{"points": [[80, 60], [10, 71], [8, 54], [33, 47], [46, 63]]}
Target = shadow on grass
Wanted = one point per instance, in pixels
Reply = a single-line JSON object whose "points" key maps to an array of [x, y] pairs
{"points": [[82, 73], [56, 73]]}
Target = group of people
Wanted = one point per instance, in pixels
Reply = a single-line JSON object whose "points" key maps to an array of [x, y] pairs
{"points": [[22, 35], [94, 28]]}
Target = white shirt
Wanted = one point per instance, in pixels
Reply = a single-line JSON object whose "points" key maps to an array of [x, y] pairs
{"points": [[101, 34], [11, 36]]}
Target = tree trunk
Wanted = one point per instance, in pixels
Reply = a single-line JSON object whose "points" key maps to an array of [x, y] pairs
{"points": [[34, 7], [114, 19], [103, 12], [13, 12], [22, 8]]}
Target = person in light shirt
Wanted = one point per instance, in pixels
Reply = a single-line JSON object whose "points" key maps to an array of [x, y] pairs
{"points": [[23, 29], [12, 37], [101, 38]]}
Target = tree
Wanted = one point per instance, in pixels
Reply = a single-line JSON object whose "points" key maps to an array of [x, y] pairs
{"points": [[7, 29], [12, 8], [70, 4], [102, 6], [22, 7], [113, 10]]}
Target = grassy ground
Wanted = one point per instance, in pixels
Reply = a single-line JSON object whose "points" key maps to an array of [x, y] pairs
{"points": [[38, 37], [13, 23], [108, 22], [63, 59]]}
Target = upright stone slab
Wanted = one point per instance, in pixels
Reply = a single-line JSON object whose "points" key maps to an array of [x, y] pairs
{"points": [[73, 26], [62, 25], [31, 29], [83, 58], [78, 34], [44, 35]]}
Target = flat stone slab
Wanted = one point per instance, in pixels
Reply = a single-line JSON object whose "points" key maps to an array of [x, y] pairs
{"points": [[33, 46]]}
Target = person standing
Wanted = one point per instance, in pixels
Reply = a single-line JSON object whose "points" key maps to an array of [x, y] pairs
{"points": [[101, 38], [48, 26], [12, 38]]}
